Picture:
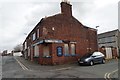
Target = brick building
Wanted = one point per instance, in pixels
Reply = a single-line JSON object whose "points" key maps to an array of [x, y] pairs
{"points": [[59, 39]]}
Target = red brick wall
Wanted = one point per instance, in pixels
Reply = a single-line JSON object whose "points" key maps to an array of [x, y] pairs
{"points": [[44, 60], [66, 9], [68, 28], [62, 59]]}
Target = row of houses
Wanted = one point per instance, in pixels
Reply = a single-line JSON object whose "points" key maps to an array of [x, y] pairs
{"points": [[60, 39]]}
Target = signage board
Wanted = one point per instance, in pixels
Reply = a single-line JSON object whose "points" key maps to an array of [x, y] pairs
{"points": [[59, 51]]}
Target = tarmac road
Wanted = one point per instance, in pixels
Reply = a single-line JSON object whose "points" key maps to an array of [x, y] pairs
{"points": [[20, 68]]}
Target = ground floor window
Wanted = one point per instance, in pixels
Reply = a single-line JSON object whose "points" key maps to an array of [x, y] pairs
{"points": [[36, 51], [73, 49], [66, 48], [46, 52]]}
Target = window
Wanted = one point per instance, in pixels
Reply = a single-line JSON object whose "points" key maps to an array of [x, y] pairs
{"points": [[38, 33], [73, 49], [34, 36], [66, 48], [36, 51], [25, 45], [46, 51]]}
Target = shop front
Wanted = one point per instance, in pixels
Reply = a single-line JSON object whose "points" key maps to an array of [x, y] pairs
{"points": [[52, 52]]}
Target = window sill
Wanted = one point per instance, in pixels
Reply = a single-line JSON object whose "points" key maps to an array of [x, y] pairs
{"points": [[47, 56], [66, 55], [73, 55], [36, 57]]}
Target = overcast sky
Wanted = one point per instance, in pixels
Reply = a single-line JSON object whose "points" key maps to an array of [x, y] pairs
{"points": [[18, 17]]}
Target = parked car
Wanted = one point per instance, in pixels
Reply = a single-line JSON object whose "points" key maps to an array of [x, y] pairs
{"points": [[92, 58]]}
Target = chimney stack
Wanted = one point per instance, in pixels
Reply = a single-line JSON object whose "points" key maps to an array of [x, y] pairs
{"points": [[66, 8]]}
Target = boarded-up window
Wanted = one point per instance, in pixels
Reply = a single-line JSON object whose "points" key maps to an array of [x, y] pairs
{"points": [[46, 51], [36, 51], [66, 48], [72, 48]]}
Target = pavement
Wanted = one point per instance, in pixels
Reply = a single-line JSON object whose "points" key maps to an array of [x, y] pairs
{"points": [[33, 66], [18, 67]]}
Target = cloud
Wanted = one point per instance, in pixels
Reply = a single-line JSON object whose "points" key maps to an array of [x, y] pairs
{"points": [[105, 16], [21, 16], [12, 23], [39, 11], [119, 15]]}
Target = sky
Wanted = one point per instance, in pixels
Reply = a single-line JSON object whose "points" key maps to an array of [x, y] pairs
{"points": [[19, 17]]}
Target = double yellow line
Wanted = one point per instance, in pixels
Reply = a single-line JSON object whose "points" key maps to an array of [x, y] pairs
{"points": [[107, 75], [23, 66]]}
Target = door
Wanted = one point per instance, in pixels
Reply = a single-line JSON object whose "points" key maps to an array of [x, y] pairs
{"points": [[96, 58], [108, 53], [99, 58]]}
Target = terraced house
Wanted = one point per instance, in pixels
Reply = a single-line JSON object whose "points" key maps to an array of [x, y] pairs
{"points": [[59, 39]]}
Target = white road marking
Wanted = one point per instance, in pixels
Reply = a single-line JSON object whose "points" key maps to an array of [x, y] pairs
{"points": [[107, 75], [112, 73], [61, 69], [23, 66]]}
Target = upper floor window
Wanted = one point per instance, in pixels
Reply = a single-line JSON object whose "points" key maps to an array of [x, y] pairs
{"points": [[38, 32], [34, 36]]}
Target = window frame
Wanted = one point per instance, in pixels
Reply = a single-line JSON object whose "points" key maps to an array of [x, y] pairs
{"points": [[73, 49], [34, 36]]}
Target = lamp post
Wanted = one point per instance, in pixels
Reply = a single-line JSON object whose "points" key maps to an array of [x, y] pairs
{"points": [[97, 37], [97, 27]]}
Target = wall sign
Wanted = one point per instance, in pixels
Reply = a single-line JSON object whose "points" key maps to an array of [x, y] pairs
{"points": [[59, 51]]}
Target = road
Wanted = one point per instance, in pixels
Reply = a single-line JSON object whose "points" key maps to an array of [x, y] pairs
{"points": [[20, 68]]}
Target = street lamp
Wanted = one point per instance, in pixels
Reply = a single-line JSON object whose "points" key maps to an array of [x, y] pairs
{"points": [[97, 37]]}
